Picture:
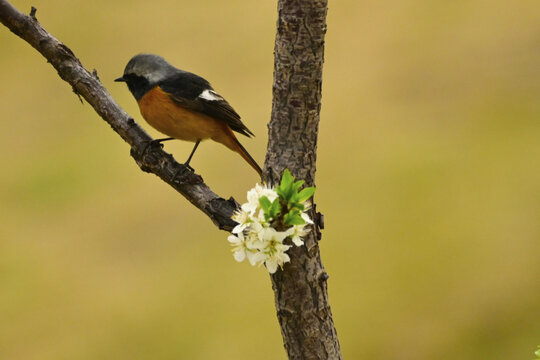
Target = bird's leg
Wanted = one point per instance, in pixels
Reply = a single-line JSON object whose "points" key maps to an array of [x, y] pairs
{"points": [[186, 164], [162, 140]]}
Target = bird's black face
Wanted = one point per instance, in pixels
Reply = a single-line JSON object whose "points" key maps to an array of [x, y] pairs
{"points": [[145, 71], [138, 85]]}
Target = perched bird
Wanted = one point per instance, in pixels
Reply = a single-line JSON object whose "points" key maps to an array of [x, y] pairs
{"points": [[183, 105]]}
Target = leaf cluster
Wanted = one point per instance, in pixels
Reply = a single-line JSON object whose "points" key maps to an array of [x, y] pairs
{"points": [[290, 201]]}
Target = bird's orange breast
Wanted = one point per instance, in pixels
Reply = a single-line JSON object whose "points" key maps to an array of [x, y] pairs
{"points": [[171, 119]]}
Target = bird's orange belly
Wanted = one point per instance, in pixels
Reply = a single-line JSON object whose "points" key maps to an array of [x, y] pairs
{"points": [[163, 114]]}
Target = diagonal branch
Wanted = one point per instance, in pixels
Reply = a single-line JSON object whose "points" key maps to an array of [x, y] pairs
{"points": [[87, 85]]}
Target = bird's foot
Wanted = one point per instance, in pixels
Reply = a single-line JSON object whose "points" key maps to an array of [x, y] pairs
{"points": [[153, 143], [189, 167]]}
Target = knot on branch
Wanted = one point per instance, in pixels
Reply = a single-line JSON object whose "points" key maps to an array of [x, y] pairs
{"points": [[222, 211], [318, 219]]}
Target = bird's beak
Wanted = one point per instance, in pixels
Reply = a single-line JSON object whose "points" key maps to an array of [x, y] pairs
{"points": [[120, 79]]}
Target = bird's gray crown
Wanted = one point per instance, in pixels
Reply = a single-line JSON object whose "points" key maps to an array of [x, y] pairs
{"points": [[152, 67]]}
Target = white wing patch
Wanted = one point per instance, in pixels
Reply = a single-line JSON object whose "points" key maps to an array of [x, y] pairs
{"points": [[210, 95]]}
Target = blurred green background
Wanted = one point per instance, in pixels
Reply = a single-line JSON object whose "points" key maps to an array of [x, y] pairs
{"points": [[428, 176]]}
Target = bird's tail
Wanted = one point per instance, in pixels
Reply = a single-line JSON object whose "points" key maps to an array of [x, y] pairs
{"points": [[227, 138], [243, 152]]}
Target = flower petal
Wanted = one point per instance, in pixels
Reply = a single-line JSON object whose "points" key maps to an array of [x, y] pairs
{"points": [[255, 258], [271, 266], [306, 218], [239, 255], [297, 241], [234, 240]]}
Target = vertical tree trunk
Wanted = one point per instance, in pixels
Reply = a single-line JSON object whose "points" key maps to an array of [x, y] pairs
{"points": [[300, 289]]}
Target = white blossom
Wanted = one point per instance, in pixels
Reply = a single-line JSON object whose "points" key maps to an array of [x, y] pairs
{"points": [[239, 246], [244, 248], [256, 240], [274, 249], [278, 258], [243, 219], [306, 218], [255, 194], [297, 233]]}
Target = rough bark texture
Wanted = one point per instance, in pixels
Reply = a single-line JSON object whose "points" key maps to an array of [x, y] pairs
{"points": [[149, 158], [300, 289]]}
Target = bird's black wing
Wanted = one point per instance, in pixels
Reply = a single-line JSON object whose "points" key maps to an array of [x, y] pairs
{"points": [[195, 93]]}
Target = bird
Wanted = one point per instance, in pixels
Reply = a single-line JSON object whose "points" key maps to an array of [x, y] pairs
{"points": [[183, 105]]}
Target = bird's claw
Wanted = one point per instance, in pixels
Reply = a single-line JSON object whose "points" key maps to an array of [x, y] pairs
{"points": [[189, 167]]}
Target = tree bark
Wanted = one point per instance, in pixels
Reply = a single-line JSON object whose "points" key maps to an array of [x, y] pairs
{"points": [[300, 289]]}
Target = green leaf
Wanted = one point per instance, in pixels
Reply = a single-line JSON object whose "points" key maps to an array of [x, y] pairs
{"points": [[287, 179], [284, 190], [296, 206], [275, 209], [305, 194], [284, 193], [293, 218], [266, 204], [297, 185]]}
